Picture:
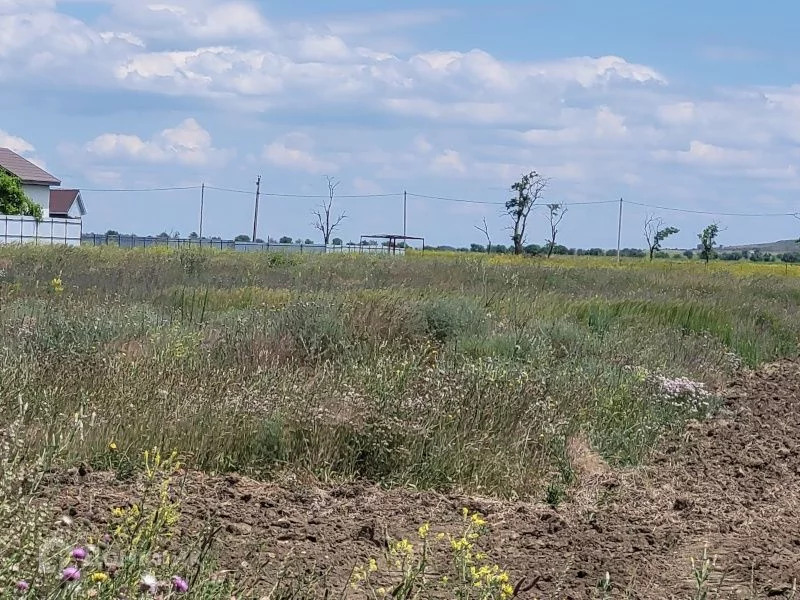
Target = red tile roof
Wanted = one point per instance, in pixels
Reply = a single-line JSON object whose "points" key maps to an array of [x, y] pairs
{"points": [[61, 201], [25, 169]]}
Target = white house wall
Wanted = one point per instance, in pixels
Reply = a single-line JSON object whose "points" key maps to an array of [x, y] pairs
{"points": [[39, 194]]}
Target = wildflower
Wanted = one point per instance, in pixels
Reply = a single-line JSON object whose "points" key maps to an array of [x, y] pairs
{"points": [[57, 285], [71, 574], [180, 585], [423, 531], [148, 583], [79, 553], [112, 446], [477, 520], [381, 591], [23, 586], [403, 548], [506, 591], [99, 577], [373, 565], [118, 512]]}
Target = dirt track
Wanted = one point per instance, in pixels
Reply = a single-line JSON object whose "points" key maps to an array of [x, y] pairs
{"points": [[732, 484]]}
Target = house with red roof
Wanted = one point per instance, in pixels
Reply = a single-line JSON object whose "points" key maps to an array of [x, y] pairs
{"points": [[43, 188]]}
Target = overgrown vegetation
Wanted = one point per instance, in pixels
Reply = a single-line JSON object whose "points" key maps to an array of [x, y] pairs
{"points": [[439, 371]]}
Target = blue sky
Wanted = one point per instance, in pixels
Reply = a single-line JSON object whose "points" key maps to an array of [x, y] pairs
{"points": [[692, 105]]}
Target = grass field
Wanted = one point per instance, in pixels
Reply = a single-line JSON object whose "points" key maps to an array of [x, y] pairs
{"points": [[444, 372]]}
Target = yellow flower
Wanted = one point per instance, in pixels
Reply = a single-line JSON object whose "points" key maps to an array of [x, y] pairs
{"points": [[381, 591], [373, 565], [506, 591], [112, 446], [423, 531], [118, 512], [403, 548], [99, 577], [477, 520]]}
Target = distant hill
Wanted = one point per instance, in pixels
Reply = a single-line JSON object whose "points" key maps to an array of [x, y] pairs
{"points": [[773, 247]]}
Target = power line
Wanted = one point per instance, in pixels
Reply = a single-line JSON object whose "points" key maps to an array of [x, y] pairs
{"points": [[131, 190], [281, 195], [466, 201], [462, 200], [711, 213], [431, 197]]}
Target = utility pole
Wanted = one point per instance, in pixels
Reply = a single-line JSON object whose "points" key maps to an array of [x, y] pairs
{"points": [[202, 203], [405, 212], [619, 232], [255, 214]]}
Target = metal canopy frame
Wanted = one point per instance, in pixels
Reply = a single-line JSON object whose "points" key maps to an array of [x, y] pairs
{"points": [[393, 239]]}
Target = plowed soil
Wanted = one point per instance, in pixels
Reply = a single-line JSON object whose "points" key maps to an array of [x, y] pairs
{"points": [[731, 485]]}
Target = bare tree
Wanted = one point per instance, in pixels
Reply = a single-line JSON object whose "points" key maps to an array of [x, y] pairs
{"points": [[655, 233], [485, 230], [528, 190], [556, 214], [325, 223]]}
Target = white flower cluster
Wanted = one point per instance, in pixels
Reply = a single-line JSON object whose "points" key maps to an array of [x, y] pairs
{"points": [[682, 391]]}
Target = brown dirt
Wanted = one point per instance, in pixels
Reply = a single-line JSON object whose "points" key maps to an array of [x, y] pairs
{"points": [[731, 485]]}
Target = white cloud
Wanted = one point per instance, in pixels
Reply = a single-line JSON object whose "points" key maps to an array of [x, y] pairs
{"points": [[587, 121], [449, 162], [296, 151], [204, 20], [367, 186], [188, 144], [677, 113], [14, 143], [703, 154]]}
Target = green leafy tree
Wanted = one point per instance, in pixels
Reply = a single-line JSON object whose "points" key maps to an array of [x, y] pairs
{"points": [[655, 232], [528, 190], [14, 200], [242, 238], [286, 239], [708, 240], [337, 241]]}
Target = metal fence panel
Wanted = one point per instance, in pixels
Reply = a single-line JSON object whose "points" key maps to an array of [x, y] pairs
{"points": [[47, 232]]}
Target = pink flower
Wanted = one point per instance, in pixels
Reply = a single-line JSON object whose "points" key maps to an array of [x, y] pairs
{"points": [[180, 585], [78, 553], [71, 574], [23, 586]]}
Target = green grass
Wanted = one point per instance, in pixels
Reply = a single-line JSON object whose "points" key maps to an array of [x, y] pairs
{"points": [[437, 371]]}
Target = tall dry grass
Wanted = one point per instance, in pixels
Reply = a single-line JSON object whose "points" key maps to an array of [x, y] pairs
{"points": [[447, 372]]}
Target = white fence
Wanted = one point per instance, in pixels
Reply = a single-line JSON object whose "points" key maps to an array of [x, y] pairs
{"points": [[130, 241], [47, 232]]}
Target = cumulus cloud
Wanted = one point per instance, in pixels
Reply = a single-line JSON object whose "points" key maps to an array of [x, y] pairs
{"points": [[595, 120], [14, 143], [449, 162], [188, 144], [296, 151]]}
